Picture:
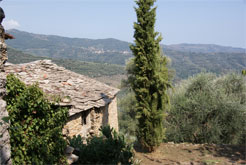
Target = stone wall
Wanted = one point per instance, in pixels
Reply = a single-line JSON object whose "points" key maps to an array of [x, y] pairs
{"points": [[78, 124], [73, 126], [4, 134], [113, 114], [88, 123], [107, 115], [98, 119]]}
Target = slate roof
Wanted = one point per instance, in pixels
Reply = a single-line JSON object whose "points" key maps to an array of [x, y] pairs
{"points": [[76, 91]]}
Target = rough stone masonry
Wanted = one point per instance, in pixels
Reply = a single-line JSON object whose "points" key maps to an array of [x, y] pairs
{"points": [[4, 134]]}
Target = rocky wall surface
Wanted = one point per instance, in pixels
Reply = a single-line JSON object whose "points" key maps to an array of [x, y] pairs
{"points": [[4, 134], [113, 114], [96, 120], [75, 126]]}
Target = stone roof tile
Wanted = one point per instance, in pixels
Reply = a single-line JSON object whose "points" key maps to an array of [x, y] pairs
{"points": [[76, 91]]}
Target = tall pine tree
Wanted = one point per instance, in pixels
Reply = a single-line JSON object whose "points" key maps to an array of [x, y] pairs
{"points": [[149, 77]]}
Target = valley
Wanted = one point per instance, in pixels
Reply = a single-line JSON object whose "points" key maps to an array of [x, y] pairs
{"points": [[105, 59]]}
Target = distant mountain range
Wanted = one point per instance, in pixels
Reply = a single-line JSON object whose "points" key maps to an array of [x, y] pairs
{"points": [[103, 51], [203, 48], [187, 59]]}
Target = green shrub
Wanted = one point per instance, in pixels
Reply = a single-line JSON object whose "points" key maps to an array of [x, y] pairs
{"points": [[127, 113], [36, 125], [208, 109], [109, 148]]}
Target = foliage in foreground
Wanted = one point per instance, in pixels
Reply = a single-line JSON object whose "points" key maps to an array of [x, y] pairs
{"points": [[36, 125], [109, 148], [208, 109], [149, 77]]}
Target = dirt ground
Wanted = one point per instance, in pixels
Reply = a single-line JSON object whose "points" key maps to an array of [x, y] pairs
{"points": [[192, 154]]}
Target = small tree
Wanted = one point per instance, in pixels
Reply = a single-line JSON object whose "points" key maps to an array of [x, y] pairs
{"points": [[149, 77], [36, 125]]}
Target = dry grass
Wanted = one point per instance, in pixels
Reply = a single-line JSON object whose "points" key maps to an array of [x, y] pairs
{"points": [[196, 154]]}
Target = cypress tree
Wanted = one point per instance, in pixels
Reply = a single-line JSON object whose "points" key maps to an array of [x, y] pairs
{"points": [[149, 77]]}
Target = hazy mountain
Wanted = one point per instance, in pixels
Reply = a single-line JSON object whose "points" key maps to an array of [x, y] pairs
{"points": [[104, 50], [190, 63], [187, 59], [203, 48]]}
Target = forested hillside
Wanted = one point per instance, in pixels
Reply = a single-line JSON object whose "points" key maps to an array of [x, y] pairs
{"points": [[187, 59], [86, 68], [104, 51], [190, 63]]}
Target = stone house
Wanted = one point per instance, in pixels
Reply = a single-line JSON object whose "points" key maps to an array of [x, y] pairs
{"points": [[91, 104]]}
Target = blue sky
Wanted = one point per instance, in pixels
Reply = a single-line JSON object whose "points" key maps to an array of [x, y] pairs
{"points": [[220, 22]]}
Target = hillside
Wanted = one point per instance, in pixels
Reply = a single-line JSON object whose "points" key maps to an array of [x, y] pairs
{"points": [[104, 51], [86, 68], [203, 48], [187, 59], [190, 63]]}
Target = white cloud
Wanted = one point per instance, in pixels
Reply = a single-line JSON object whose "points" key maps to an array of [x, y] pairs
{"points": [[10, 24]]}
